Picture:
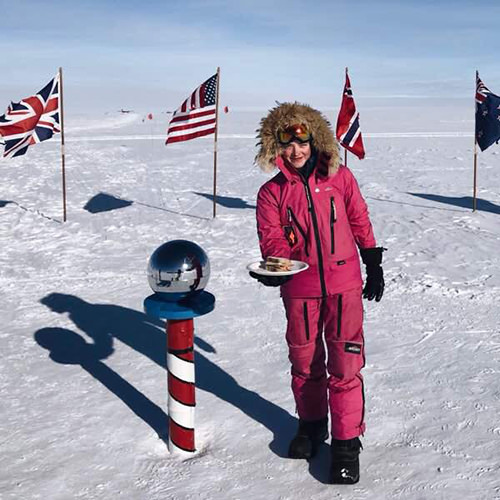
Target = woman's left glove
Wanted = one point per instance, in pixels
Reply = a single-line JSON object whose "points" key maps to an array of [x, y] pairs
{"points": [[374, 286], [270, 280]]}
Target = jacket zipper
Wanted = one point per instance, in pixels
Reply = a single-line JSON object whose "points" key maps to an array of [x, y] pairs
{"points": [[364, 402], [292, 218], [339, 316], [316, 237], [306, 320], [361, 380], [333, 219]]}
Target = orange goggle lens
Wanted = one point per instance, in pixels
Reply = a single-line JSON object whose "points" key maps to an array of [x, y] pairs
{"points": [[294, 132]]}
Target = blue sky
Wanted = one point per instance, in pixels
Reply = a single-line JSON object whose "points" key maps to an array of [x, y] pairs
{"points": [[152, 54]]}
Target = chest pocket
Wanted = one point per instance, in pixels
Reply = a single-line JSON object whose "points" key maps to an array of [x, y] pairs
{"points": [[293, 229], [329, 204], [333, 220]]}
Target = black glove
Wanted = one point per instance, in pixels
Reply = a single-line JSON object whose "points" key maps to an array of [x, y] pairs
{"points": [[374, 286], [270, 280]]}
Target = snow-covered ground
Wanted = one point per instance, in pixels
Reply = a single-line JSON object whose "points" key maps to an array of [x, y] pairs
{"points": [[82, 378]]}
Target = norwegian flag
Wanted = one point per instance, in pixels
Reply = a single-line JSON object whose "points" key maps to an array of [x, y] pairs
{"points": [[196, 116], [487, 115], [348, 131], [32, 120]]}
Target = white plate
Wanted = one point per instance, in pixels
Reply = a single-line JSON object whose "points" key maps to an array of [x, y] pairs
{"points": [[297, 267]]}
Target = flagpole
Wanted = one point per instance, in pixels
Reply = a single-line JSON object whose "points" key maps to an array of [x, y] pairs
{"points": [[474, 203], [345, 150], [215, 139], [61, 119], [474, 200]]}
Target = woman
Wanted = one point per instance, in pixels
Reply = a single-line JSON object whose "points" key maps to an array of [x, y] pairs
{"points": [[313, 211]]}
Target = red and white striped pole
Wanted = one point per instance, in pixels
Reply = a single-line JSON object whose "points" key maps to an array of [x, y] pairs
{"points": [[178, 272], [181, 386]]}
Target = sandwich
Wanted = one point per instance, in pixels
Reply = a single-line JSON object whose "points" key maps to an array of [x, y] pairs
{"points": [[278, 264]]}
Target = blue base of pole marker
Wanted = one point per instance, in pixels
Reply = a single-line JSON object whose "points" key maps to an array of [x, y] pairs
{"points": [[186, 308]]}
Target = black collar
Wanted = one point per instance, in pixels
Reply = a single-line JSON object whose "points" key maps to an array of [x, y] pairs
{"points": [[309, 166]]}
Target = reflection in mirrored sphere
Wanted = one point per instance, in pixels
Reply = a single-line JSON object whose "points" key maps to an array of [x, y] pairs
{"points": [[178, 269]]}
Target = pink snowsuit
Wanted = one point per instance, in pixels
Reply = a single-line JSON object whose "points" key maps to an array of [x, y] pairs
{"points": [[321, 221]]}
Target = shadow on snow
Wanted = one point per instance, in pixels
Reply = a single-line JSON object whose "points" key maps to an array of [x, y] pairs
{"points": [[102, 323], [4, 203], [227, 201], [463, 201], [105, 202], [69, 348]]}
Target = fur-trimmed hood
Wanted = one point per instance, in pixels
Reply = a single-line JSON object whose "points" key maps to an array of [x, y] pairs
{"points": [[285, 115]]}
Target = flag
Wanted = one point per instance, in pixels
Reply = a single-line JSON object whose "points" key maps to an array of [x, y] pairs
{"points": [[32, 120], [196, 116], [487, 115], [348, 131]]}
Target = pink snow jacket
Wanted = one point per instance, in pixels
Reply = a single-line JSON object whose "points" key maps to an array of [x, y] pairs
{"points": [[320, 221]]}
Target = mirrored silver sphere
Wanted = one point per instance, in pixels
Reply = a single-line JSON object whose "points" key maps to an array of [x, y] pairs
{"points": [[178, 269]]}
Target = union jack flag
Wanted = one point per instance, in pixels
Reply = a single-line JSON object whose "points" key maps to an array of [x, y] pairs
{"points": [[348, 131], [196, 116], [32, 120], [487, 115]]}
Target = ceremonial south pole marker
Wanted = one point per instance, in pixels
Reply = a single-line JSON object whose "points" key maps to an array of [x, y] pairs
{"points": [[178, 272]]}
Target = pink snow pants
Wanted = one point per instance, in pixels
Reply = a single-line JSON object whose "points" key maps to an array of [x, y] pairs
{"points": [[328, 378]]}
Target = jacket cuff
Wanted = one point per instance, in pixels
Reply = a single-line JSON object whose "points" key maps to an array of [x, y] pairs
{"points": [[372, 256]]}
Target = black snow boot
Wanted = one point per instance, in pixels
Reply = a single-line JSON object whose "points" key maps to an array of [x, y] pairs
{"points": [[310, 435], [345, 461]]}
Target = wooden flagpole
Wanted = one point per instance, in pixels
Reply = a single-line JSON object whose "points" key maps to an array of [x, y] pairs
{"points": [[61, 120], [345, 149], [474, 201], [215, 140]]}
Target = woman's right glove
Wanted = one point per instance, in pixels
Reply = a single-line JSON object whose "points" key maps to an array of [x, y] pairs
{"points": [[374, 285], [270, 280]]}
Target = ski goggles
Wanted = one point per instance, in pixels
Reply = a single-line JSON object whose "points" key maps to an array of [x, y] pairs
{"points": [[296, 132]]}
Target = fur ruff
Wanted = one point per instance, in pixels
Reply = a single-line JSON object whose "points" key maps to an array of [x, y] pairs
{"points": [[285, 115]]}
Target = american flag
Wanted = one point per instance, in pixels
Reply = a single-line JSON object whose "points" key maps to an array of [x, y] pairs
{"points": [[348, 131], [487, 115], [196, 116], [32, 120]]}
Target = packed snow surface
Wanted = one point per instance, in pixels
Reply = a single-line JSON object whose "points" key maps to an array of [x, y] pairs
{"points": [[83, 383]]}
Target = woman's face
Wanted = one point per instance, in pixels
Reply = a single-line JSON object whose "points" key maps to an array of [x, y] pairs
{"points": [[296, 154]]}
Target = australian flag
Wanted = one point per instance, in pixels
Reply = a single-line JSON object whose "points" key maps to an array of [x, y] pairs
{"points": [[487, 115], [32, 120]]}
